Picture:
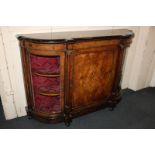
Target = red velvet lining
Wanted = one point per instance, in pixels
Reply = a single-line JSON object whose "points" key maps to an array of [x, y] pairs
{"points": [[45, 64], [47, 104], [40, 84], [46, 84]]}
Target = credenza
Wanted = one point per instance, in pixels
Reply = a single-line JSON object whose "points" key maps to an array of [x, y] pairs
{"points": [[69, 74]]}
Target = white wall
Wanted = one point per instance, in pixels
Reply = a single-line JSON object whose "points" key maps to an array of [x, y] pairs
{"points": [[6, 90], [143, 61], [149, 63], [137, 74], [12, 54]]}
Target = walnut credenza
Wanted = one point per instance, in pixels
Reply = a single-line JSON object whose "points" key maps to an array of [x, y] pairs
{"points": [[68, 74]]}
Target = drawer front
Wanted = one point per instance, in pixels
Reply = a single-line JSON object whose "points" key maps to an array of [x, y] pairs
{"points": [[92, 73]]}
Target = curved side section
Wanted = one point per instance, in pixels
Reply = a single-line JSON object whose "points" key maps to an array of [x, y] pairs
{"points": [[115, 97], [47, 118], [43, 67]]}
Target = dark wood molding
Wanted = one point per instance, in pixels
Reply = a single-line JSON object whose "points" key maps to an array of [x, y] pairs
{"points": [[49, 38]]}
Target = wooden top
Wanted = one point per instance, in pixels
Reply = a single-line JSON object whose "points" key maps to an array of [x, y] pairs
{"points": [[73, 36]]}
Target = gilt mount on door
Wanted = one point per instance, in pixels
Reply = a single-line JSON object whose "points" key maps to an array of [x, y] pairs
{"points": [[68, 74]]}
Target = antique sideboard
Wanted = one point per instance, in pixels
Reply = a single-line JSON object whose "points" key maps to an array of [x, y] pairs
{"points": [[68, 74]]}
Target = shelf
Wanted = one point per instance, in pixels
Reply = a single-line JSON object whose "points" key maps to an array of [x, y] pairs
{"points": [[46, 74], [49, 94]]}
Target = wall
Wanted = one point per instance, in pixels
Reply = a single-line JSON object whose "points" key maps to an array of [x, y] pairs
{"points": [[150, 61], [137, 72], [143, 61], [16, 93], [6, 90]]}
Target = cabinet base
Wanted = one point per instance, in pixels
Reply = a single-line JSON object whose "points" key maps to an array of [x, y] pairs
{"points": [[44, 118], [66, 118]]}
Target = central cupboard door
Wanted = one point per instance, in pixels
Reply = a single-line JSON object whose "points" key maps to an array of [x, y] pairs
{"points": [[92, 72]]}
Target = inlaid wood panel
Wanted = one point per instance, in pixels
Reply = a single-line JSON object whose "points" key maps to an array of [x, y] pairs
{"points": [[92, 76]]}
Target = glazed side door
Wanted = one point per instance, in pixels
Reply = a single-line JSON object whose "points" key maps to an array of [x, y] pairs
{"points": [[43, 67]]}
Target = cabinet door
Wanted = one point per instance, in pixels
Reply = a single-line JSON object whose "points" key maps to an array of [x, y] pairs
{"points": [[46, 81], [92, 73]]}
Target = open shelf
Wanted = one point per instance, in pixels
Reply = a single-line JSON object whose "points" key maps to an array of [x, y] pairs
{"points": [[49, 94], [45, 66], [46, 74], [48, 104]]}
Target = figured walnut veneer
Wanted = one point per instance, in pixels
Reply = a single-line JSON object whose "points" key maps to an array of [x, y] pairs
{"points": [[67, 75]]}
